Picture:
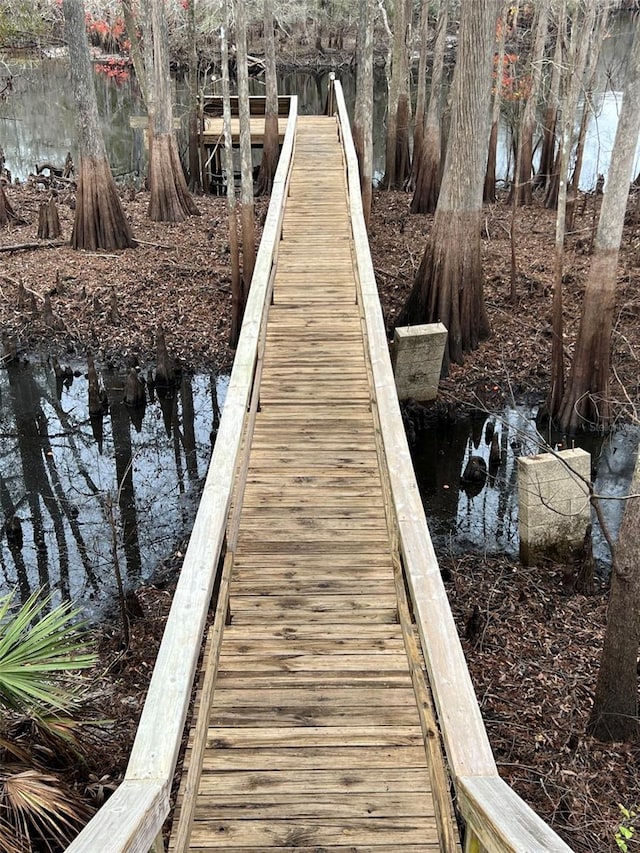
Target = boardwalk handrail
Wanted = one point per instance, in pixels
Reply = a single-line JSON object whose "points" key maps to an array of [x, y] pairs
{"points": [[497, 819], [131, 820]]}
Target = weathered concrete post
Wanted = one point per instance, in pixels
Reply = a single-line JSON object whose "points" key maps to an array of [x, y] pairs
{"points": [[554, 504], [417, 360]]}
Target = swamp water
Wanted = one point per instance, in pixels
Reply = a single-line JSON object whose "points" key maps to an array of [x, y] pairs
{"points": [[38, 121], [465, 518], [131, 480], [78, 484]]}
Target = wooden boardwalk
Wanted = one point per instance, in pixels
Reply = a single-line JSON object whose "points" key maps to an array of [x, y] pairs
{"points": [[312, 717], [314, 741]]}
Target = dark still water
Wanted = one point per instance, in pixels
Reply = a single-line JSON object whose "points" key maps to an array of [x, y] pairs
{"points": [[486, 520], [73, 482], [130, 480], [37, 123]]}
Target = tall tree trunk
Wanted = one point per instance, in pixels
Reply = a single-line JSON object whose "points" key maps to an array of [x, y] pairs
{"points": [[237, 302], [586, 401], [573, 84], [271, 148], [195, 179], [587, 111], [449, 283], [614, 715], [428, 172], [397, 160], [363, 113], [489, 193], [522, 186], [421, 94], [131, 26], [169, 200], [574, 183], [99, 221], [246, 165], [550, 119], [578, 45]]}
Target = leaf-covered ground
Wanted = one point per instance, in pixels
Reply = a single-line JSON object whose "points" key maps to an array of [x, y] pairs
{"points": [[534, 659]]}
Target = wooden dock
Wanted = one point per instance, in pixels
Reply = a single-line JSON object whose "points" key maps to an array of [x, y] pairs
{"points": [[314, 739], [212, 132]]}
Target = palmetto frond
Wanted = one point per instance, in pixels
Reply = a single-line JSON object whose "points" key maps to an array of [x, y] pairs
{"points": [[34, 803], [37, 646]]}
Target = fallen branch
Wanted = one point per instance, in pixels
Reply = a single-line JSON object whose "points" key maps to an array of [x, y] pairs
{"points": [[23, 247], [391, 275], [156, 245]]}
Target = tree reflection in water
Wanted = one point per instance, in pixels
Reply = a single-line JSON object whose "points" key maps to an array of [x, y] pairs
{"points": [[58, 467]]}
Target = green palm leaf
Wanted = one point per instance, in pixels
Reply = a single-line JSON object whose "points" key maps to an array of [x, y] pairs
{"points": [[38, 646]]}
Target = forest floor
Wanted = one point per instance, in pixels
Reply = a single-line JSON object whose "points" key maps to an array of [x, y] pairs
{"points": [[534, 661]]}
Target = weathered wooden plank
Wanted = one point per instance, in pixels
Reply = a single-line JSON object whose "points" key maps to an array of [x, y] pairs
{"points": [[360, 510], [311, 478], [344, 315], [301, 571], [332, 806], [297, 661], [322, 544], [329, 604], [346, 782], [313, 736], [308, 585], [262, 524], [264, 490], [291, 418], [282, 455], [312, 716], [345, 758], [318, 530], [310, 559], [325, 700], [307, 631], [318, 373], [320, 832], [315, 499], [359, 481], [314, 680]]}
